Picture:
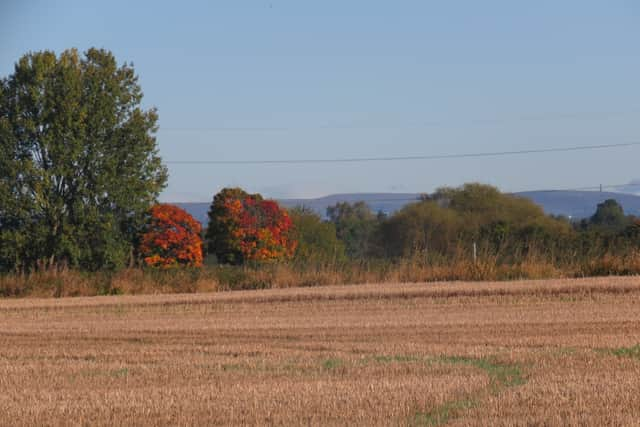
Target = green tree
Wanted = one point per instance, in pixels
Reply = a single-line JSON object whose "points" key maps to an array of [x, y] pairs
{"points": [[421, 228], [356, 226], [452, 219], [79, 165], [317, 239], [484, 204], [609, 216]]}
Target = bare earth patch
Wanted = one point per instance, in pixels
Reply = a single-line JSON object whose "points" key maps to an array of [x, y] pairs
{"points": [[558, 352]]}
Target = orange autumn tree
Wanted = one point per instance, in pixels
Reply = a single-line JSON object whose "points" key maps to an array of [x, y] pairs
{"points": [[245, 227], [172, 238]]}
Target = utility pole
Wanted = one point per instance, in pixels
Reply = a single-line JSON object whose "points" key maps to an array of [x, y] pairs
{"points": [[601, 188]]}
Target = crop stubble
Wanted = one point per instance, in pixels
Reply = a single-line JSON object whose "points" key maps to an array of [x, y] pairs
{"points": [[558, 352]]}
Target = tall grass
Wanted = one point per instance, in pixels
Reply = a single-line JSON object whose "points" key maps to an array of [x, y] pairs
{"points": [[60, 282]]}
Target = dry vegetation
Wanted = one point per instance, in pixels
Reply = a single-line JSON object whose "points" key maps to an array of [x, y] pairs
{"points": [[64, 282], [562, 352]]}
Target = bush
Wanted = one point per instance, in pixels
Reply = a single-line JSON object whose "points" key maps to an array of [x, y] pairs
{"points": [[172, 238]]}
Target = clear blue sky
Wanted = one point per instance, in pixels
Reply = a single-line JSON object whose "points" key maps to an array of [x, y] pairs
{"points": [[298, 79]]}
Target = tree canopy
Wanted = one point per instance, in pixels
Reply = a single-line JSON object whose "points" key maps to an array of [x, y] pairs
{"points": [[79, 165], [356, 226], [171, 238], [452, 218], [317, 239], [245, 227], [610, 216]]}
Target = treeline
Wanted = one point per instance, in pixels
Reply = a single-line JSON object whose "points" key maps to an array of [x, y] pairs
{"points": [[253, 243], [478, 221], [80, 176]]}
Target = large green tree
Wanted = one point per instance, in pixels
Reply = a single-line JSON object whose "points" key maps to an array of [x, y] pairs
{"points": [[79, 165]]}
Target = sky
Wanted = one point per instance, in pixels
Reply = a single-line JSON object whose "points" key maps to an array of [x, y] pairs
{"points": [[277, 80]]}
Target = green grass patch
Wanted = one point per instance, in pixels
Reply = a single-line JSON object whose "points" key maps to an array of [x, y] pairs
{"points": [[231, 367], [120, 373], [563, 351], [333, 363], [396, 358], [443, 413], [633, 352], [501, 376]]}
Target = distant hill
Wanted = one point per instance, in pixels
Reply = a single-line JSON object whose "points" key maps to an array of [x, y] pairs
{"points": [[576, 204], [580, 204], [385, 202], [198, 210]]}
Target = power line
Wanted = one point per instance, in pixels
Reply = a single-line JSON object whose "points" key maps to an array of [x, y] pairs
{"points": [[591, 188], [403, 158]]}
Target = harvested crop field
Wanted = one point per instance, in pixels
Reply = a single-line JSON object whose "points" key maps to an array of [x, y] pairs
{"points": [[561, 352]]}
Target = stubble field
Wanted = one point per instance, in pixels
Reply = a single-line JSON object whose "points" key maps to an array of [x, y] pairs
{"points": [[560, 352]]}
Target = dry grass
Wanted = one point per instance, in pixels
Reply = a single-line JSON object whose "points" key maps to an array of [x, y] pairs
{"points": [[63, 282], [560, 352]]}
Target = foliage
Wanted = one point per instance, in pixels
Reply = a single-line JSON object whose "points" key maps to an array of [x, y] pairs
{"points": [[420, 228], [484, 204], [453, 218], [172, 238], [317, 239], [264, 231], [222, 227], [608, 232], [79, 166], [245, 227], [356, 226], [609, 216]]}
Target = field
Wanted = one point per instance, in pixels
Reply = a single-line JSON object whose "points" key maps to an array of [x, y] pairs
{"points": [[557, 352]]}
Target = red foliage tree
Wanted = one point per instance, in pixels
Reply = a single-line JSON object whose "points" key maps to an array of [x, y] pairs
{"points": [[172, 238], [264, 231], [245, 227]]}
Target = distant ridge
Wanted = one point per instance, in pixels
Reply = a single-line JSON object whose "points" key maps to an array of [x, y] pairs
{"points": [[574, 204], [385, 202], [580, 204]]}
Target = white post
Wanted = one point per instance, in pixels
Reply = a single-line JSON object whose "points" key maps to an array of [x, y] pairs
{"points": [[475, 252]]}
